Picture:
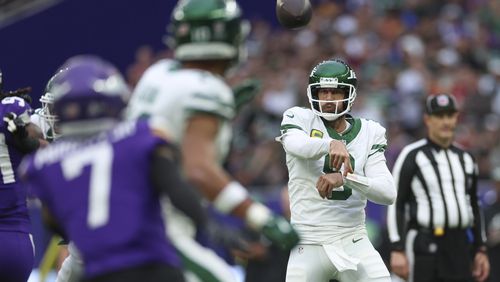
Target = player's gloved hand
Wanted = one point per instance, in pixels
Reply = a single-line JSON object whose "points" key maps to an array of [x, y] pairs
{"points": [[245, 92], [274, 227], [279, 231], [15, 125]]}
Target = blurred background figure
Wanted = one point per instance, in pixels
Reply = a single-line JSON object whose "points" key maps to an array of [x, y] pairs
{"points": [[436, 225], [18, 138], [492, 216]]}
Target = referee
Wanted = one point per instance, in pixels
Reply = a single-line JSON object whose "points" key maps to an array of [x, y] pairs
{"points": [[435, 224]]}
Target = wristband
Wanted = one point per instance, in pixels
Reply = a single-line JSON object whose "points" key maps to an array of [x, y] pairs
{"points": [[230, 197]]}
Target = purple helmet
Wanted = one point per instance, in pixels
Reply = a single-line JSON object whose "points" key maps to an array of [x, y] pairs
{"points": [[89, 96]]}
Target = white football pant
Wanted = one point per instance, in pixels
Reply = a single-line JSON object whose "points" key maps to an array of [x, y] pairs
{"points": [[311, 263]]}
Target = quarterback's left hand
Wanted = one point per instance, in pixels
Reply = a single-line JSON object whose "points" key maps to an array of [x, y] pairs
{"points": [[327, 182], [339, 156]]}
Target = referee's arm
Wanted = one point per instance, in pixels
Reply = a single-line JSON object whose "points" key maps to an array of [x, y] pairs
{"points": [[478, 227], [403, 172]]}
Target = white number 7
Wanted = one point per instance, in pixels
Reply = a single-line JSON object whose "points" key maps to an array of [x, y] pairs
{"points": [[99, 157]]}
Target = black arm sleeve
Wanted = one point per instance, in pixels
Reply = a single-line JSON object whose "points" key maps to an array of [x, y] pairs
{"points": [[403, 187], [25, 145], [23, 142], [166, 179]]}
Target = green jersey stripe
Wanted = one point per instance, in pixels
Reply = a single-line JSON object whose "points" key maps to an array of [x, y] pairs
{"points": [[285, 127], [379, 146]]}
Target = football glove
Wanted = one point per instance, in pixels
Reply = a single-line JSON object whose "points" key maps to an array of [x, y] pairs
{"points": [[15, 125], [245, 92], [281, 233]]}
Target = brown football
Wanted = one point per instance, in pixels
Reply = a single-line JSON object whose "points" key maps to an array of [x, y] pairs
{"points": [[293, 14]]}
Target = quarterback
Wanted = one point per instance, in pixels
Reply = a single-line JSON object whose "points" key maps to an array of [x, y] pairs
{"points": [[336, 163]]}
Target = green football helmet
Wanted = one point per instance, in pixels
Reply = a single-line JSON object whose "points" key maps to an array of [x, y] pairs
{"points": [[332, 74], [207, 30]]}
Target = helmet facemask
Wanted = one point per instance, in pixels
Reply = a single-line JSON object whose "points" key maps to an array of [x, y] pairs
{"points": [[49, 126], [341, 107]]}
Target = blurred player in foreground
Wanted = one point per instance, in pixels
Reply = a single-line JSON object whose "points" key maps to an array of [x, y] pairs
{"points": [[100, 183], [197, 107]]}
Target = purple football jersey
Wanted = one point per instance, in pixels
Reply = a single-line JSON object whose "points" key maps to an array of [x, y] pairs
{"points": [[13, 210], [99, 192]]}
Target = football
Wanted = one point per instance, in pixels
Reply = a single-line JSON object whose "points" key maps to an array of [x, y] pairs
{"points": [[293, 14]]}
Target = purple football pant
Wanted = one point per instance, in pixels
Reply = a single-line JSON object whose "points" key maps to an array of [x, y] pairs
{"points": [[16, 256]]}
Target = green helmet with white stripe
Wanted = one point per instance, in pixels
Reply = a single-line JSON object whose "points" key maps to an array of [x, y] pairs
{"points": [[207, 30], [332, 74]]}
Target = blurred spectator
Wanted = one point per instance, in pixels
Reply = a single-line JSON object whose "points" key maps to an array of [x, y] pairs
{"points": [[492, 219]]}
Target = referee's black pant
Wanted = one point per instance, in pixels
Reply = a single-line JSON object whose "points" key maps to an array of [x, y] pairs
{"points": [[444, 258]]}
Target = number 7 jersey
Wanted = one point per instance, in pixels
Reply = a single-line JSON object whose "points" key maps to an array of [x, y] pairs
{"points": [[365, 141], [99, 192]]}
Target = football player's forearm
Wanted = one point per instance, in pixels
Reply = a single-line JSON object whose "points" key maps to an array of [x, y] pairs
{"points": [[208, 177], [228, 196], [166, 178], [305, 147], [378, 189]]}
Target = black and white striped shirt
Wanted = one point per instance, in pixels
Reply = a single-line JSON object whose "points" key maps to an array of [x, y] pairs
{"points": [[437, 189]]}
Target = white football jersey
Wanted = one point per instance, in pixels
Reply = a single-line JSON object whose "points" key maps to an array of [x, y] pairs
{"points": [[38, 120], [314, 217], [174, 94]]}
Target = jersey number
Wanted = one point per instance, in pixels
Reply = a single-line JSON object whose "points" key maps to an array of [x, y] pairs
{"points": [[99, 158], [5, 163], [338, 195], [12, 100]]}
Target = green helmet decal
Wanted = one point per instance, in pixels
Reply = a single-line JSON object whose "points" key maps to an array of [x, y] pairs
{"points": [[207, 30], [332, 74]]}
